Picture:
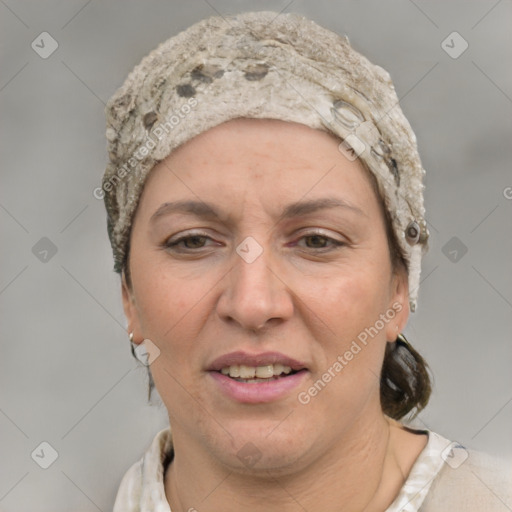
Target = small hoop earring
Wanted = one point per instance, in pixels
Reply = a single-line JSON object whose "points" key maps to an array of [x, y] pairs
{"points": [[402, 340], [151, 383], [133, 345]]}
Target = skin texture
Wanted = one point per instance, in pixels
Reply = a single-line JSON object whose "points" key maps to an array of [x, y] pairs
{"points": [[303, 297]]}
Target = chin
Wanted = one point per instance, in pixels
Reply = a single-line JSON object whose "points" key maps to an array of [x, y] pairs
{"points": [[261, 446]]}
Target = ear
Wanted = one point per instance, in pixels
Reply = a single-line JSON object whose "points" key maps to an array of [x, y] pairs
{"points": [[130, 310], [399, 302]]}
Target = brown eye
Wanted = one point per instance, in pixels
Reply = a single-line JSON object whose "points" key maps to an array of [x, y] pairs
{"points": [[320, 241], [315, 239], [195, 241], [189, 242]]}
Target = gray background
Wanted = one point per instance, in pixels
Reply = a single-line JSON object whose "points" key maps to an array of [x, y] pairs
{"points": [[67, 376]]}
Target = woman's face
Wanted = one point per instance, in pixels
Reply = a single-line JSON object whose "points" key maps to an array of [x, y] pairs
{"points": [[292, 269]]}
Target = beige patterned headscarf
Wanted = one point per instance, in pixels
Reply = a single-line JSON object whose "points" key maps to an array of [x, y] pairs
{"points": [[263, 65]]}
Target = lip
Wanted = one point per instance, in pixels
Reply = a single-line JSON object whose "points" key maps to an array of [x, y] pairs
{"points": [[257, 393], [261, 359]]}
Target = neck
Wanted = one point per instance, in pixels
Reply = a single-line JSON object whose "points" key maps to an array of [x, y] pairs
{"points": [[360, 472]]}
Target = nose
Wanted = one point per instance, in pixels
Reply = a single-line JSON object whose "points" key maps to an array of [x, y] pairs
{"points": [[255, 293]]}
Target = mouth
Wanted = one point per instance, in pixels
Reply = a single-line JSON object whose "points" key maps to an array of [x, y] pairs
{"points": [[257, 374], [257, 378]]}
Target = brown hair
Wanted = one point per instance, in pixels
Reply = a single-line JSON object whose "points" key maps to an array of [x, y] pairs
{"points": [[405, 383]]}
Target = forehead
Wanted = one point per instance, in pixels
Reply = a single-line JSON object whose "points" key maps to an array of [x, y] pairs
{"points": [[263, 160], [260, 134], [269, 145]]}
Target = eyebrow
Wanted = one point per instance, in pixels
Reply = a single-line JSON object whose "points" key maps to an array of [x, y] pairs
{"points": [[209, 211]]}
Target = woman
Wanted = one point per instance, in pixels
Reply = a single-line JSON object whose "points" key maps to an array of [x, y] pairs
{"points": [[265, 209]]}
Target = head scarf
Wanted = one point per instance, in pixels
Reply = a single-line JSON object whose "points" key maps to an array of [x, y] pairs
{"points": [[263, 65]]}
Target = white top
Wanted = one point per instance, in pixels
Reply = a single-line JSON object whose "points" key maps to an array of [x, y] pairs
{"points": [[454, 471]]}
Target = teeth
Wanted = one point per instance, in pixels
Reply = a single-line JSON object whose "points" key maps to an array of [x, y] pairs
{"points": [[247, 372], [250, 372], [278, 368], [265, 372]]}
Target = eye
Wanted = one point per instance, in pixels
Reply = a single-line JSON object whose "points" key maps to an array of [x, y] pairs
{"points": [[190, 242], [319, 238], [317, 241]]}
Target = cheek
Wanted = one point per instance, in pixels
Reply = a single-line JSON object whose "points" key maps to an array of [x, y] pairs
{"points": [[172, 312], [350, 306], [165, 306], [351, 301]]}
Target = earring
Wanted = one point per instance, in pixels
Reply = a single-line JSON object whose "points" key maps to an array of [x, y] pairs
{"points": [[402, 340], [151, 383], [133, 345]]}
